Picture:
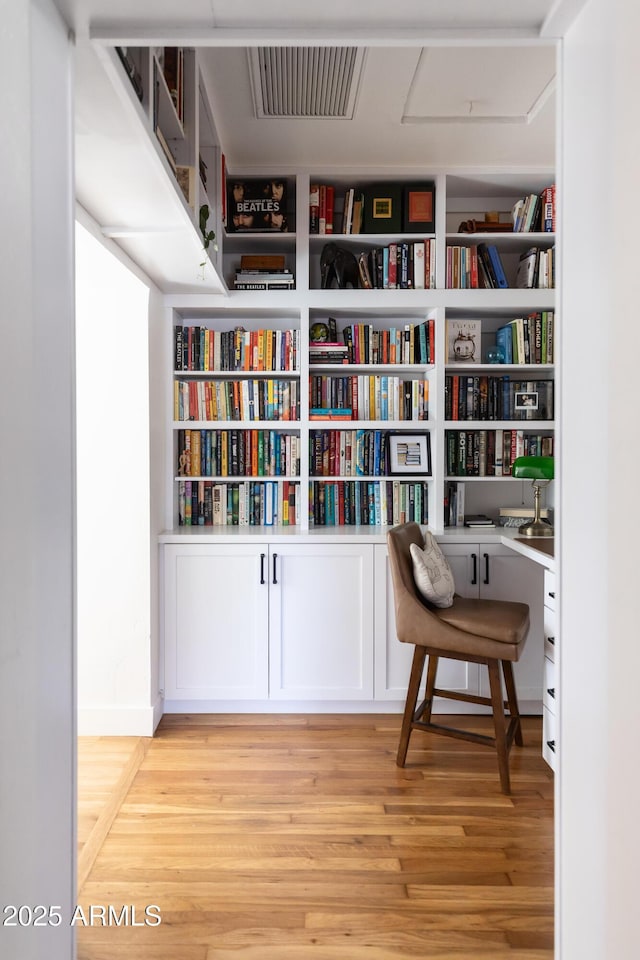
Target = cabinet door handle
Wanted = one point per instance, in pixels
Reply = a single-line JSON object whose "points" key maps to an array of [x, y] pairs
{"points": [[552, 594], [552, 745], [474, 575], [486, 567], [262, 556], [552, 641], [552, 692], [275, 557]]}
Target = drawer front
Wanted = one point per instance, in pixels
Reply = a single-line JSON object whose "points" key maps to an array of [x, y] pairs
{"points": [[550, 634], [550, 589], [549, 738], [549, 687]]}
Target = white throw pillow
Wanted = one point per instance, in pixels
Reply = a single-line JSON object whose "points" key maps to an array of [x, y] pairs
{"points": [[431, 572]]}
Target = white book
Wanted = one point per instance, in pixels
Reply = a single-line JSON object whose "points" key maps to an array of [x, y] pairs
{"points": [[418, 264]]}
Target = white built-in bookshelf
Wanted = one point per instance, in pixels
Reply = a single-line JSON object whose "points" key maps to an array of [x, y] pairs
{"points": [[343, 472]]}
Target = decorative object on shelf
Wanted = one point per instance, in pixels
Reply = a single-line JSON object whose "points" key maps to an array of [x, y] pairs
{"points": [[318, 333], [340, 265], [485, 226], [382, 208], [208, 236], [258, 205], [186, 177], [495, 354], [418, 215], [409, 453], [540, 470]]}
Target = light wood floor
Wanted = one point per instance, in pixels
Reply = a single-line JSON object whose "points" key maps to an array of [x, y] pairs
{"points": [[293, 837]]}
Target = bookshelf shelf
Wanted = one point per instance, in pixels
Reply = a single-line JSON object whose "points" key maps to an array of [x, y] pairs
{"points": [[384, 314]]}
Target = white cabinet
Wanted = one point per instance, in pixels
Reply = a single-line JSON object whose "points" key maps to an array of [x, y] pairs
{"points": [[321, 621], [253, 621], [392, 658], [216, 613], [492, 571], [486, 570]]}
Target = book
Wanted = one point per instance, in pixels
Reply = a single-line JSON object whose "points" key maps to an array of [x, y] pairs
{"points": [[478, 520], [382, 208], [314, 208], [265, 261], [498, 268], [527, 269], [258, 205], [418, 215], [548, 214], [464, 341]]}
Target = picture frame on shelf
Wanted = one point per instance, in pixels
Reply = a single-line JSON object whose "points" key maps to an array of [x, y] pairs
{"points": [[525, 400], [410, 453], [259, 205]]}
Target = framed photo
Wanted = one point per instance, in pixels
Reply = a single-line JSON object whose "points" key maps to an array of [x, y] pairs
{"points": [[525, 400], [410, 453]]}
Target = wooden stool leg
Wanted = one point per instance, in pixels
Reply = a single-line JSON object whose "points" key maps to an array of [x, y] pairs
{"points": [[417, 667], [432, 669], [497, 704], [512, 700]]}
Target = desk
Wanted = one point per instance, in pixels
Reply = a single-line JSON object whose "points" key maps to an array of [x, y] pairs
{"points": [[535, 587], [542, 550]]}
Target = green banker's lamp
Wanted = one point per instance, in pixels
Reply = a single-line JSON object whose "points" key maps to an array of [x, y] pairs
{"points": [[540, 471]]}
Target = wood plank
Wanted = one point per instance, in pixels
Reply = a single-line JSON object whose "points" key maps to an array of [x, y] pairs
{"points": [[294, 837]]}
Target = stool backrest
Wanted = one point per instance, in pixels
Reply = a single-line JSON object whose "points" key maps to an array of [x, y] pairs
{"points": [[411, 609]]}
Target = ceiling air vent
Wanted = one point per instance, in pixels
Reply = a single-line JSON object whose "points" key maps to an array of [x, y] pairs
{"points": [[305, 82]]}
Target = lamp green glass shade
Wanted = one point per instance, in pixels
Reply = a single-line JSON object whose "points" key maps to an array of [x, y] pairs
{"points": [[533, 468], [540, 471]]}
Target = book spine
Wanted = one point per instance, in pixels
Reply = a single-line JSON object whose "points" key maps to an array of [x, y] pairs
{"points": [[314, 208]]}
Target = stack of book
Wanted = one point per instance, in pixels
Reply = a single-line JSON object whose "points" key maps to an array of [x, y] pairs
{"points": [[480, 520], [266, 272], [328, 352]]}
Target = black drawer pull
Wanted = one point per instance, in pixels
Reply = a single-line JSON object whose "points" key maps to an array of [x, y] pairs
{"points": [[275, 557], [474, 576], [552, 692], [552, 745], [552, 594], [552, 641], [262, 556], [486, 567]]}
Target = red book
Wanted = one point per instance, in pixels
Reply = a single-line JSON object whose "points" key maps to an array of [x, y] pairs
{"points": [[329, 204]]}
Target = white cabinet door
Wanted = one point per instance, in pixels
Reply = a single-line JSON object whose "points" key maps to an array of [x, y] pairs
{"points": [[216, 622], [321, 621], [504, 575], [393, 658]]}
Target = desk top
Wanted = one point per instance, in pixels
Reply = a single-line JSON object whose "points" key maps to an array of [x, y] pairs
{"points": [[546, 544]]}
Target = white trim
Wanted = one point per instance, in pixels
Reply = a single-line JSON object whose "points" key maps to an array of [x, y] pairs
{"points": [[118, 721]]}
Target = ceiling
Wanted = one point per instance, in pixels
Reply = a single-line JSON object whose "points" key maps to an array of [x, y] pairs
{"points": [[444, 84]]}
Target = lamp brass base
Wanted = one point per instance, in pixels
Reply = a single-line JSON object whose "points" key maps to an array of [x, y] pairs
{"points": [[537, 528]]}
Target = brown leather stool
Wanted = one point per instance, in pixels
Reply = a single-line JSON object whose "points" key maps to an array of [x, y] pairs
{"points": [[492, 632]]}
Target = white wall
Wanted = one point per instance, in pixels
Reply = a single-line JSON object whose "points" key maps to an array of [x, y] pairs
{"points": [[37, 735], [599, 842], [115, 691]]}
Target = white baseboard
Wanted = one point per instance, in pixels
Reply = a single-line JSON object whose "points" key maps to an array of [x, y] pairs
{"points": [[119, 721]]}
